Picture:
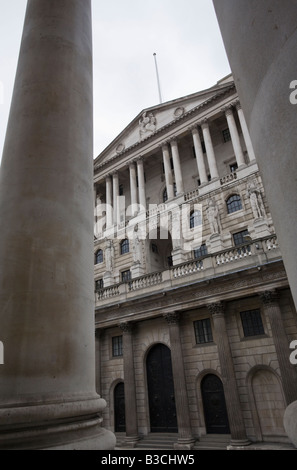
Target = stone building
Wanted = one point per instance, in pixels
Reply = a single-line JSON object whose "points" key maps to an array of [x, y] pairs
{"points": [[194, 315]]}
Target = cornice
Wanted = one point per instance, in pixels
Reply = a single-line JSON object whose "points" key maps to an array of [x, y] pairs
{"points": [[207, 103]]}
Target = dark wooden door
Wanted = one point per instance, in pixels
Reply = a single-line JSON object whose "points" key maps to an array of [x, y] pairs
{"points": [[119, 408], [215, 411], [161, 390]]}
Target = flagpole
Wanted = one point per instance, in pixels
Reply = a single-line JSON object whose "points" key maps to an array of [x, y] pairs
{"points": [[158, 79]]}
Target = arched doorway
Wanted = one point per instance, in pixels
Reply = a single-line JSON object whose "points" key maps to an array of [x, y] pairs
{"points": [[214, 405], [161, 390], [119, 408]]}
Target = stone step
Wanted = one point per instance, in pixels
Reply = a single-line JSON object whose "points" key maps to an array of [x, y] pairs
{"points": [[213, 442]]}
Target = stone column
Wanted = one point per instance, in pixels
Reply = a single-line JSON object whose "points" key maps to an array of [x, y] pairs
{"points": [[141, 184], [177, 167], [133, 188], [129, 384], [209, 150], [115, 196], [109, 209], [245, 132], [234, 136], [48, 394], [270, 301], [185, 437], [168, 171], [236, 423], [199, 156]]}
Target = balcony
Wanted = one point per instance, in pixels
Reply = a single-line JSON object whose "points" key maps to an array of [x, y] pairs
{"points": [[255, 253]]}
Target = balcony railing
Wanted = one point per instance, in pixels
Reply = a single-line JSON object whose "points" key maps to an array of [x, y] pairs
{"points": [[256, 252]]}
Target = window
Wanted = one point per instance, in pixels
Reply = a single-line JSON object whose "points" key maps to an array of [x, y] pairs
{"points": [[233, 167], [124, 246], [121, 190], [226, 135], [99, 284], [252, 323], [240, 238], [195, 219], [233, 203], [165, 197], [169, 261], [117, 346], [126, 275], [154, 248], [199, 252], [203, 332], [99, 257]]}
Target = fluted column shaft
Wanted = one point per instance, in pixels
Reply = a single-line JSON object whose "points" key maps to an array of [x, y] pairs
{"points": [[109, 209], [209, 150], [133, 188], [199, 156], [168, 171], [245, 132], [234, 137], [177, 167], [238, 433], [141, 184], [271, 305], [115, 196]]}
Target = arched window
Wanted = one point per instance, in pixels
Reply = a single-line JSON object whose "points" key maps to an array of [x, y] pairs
{"points": [[195, 219], [99, 257], [165, 195], [124, 246], [234, 203]]}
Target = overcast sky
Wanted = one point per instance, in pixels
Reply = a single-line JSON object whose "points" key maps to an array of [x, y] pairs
{"points": [[184, 35]]}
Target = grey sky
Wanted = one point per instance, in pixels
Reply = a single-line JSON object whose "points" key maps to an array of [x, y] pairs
{"points": [[184, 35]]}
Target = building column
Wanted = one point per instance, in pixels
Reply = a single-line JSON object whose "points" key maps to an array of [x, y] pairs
{"points": [[133, 189], [48, 391], [236, 423], [141, 184], [109, 209], [185, 437], [115, 196], [199, 156], [209, 150], [97, 360], [245, 132], [168, 171], [234, 136], [288, 373], [177, 167], [129, 385]]}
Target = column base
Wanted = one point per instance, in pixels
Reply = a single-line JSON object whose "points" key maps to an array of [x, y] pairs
{"points": [[131, 441], [184, 444], [238, 444], [59, 425]]}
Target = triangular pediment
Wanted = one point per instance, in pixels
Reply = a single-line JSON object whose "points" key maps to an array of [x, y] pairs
{"points": [[152, 120]]}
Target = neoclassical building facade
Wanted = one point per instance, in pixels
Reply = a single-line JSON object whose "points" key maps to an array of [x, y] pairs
{"points": [[194, 315]]}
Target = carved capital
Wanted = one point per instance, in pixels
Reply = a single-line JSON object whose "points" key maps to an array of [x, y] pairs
{"points": [[228, 110], [237, 104], [172, 318], [216, 308], [204, 123], [269, 297]]}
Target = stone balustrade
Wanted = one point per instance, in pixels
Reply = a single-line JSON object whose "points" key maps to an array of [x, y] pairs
{"points": [[252, 253]]}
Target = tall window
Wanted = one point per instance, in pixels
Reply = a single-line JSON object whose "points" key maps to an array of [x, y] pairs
{"points": [[201, 251], [252, 323], [233, 203], [240, 238], [124, 246], [226, 135], [165, 195], [203, 332], [99, 257], [99, 284], [195, 219], [117, 346], [126, 275]]}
